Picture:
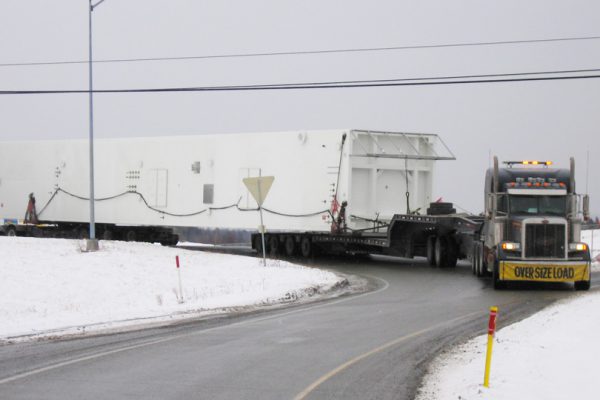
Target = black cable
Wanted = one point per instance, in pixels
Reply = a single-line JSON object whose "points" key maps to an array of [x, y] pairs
{"points": [[307, 52], [323, 85], [296, 215], [141, 196]]}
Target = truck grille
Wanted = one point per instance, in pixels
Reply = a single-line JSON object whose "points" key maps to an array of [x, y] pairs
{"points": [[545, 240]]}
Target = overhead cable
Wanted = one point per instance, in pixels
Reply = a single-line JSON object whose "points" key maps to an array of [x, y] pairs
{"points": [[306, 52]]}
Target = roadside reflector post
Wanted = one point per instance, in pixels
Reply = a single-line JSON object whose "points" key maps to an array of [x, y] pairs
{"points": [[490, 344], [180, 300]]}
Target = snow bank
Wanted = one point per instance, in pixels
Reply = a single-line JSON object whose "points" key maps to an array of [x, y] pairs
{"points": [[49, 284], [551, 355]]}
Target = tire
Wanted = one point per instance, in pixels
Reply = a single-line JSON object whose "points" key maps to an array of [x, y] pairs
{"points": [[451, 253], [273, 246], [258, 245], [83, 233], [479, 270], [306, 247], [131, 236], [290, 246], [474, 258], [431, 251], [11, 231], [441, 251], [498, 284], [440, 209], [583, 285], [107, 235]]}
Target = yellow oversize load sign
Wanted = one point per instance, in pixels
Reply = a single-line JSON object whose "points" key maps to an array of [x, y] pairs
{"points": [[544, 272]]}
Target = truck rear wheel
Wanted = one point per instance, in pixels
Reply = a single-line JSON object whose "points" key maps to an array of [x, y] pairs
{"points": [[479, 265], [11, 231]]}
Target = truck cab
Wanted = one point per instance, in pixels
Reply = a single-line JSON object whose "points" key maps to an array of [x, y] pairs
{"points": [[532, 229]]}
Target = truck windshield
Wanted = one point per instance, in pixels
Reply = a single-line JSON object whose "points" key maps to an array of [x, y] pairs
{"points": [[538, 205]]}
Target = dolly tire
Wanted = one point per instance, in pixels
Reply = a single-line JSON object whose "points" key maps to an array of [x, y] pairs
{"points": [[290, 246], [306, 247]]}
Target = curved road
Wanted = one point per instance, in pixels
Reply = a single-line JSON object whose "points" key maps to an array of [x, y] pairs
{"points": [[374, 345]]}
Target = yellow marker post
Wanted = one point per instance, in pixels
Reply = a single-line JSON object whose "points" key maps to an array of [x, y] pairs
{"points": [[490, 344]]}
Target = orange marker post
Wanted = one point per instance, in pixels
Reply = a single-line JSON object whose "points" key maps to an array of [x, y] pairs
{"points": [[490, 344]]}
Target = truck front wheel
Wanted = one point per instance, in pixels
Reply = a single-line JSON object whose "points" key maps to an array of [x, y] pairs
{"points": [[582, 285], [498, 284], [11, 231]]}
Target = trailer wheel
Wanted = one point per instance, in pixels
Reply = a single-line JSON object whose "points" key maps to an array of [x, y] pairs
{"points": [[11, 231], [441, 251], [451, 253], [131, 236], [582, 285], [306, 247], [107, 234], [431, 251], [290, 246], [258, 245], [83, 233], [273, 246]]}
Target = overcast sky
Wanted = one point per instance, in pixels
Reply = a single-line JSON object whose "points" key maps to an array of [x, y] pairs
{"points": [[530, 120]]}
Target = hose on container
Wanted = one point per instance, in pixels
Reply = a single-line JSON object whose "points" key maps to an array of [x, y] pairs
{"points": [[141, 196]]}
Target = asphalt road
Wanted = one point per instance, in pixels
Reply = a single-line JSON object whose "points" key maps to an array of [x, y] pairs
{"points": [[373, 345]]}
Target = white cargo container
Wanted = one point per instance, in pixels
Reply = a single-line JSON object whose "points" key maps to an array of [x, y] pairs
{"points": [[196, 181]]}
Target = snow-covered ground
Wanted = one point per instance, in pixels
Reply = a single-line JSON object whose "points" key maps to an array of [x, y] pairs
{"points": [[551, 355], [51, 287]]}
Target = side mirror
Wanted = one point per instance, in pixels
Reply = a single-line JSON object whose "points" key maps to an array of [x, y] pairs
{"points": [[490, 206], [586, 207], [572, 206]]}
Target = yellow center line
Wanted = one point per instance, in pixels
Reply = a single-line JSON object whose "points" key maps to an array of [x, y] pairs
{"points": [[379, 349]]}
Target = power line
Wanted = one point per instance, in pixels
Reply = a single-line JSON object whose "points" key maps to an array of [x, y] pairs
{"points": [[322, 85], [307, 52]]}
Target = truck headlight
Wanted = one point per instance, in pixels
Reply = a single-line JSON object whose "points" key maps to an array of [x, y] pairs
{"points": [[511, 246], [578, 247]]}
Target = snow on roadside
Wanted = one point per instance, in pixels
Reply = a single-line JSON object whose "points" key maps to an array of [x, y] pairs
{"points": [[550, 355], [50, 285]]}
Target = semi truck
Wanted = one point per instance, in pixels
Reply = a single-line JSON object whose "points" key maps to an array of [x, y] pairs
{"points": [[334, 191]]}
